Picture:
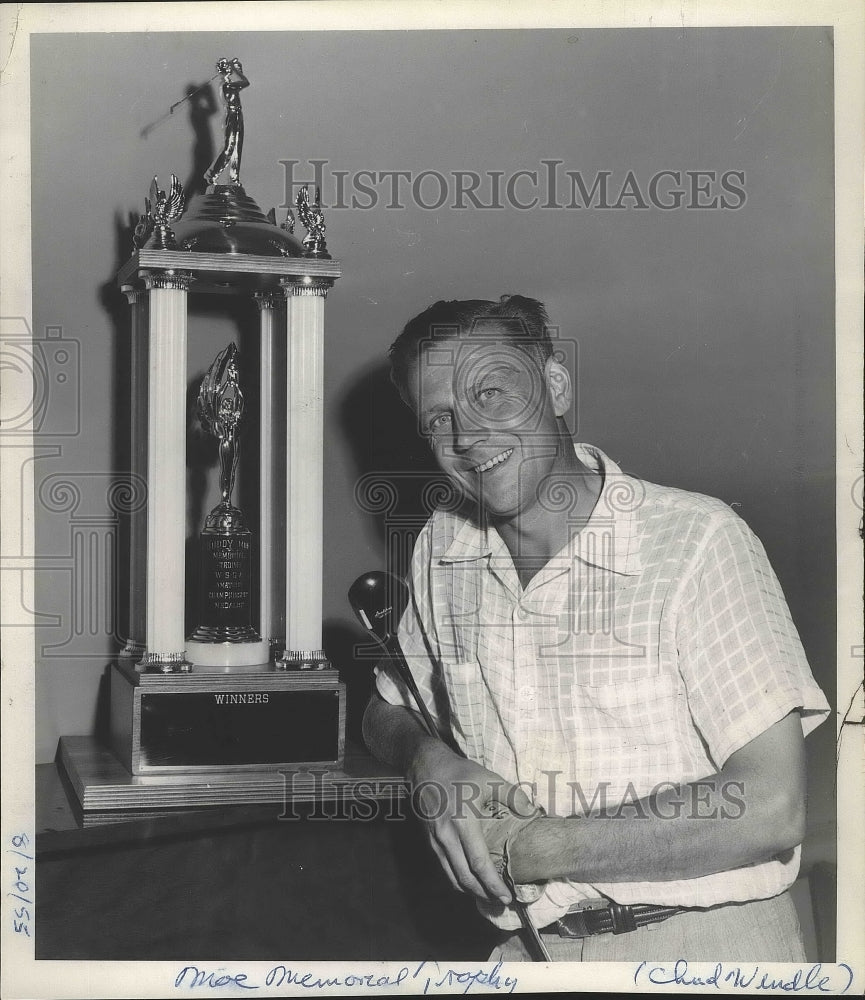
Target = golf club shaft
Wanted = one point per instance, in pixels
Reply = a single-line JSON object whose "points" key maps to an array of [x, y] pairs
{"points": [[535, 941], [405, 673], [536, 945]]}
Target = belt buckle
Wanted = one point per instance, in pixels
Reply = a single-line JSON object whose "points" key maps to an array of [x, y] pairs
{"points": [[573, 924]]}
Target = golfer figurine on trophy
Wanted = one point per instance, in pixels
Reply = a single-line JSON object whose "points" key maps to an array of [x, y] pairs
{"points": [[233, 81]]}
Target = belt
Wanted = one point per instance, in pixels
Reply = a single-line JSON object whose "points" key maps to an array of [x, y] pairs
{"points": [[611, 918]]}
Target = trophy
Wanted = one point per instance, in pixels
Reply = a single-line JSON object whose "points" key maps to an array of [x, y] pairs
{"points": [[212, 718], [225, 635]]}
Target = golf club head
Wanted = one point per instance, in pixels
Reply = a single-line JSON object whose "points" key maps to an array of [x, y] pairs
{"points": [[378, 600]]}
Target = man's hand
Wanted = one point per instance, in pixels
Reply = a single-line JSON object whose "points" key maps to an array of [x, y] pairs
{"points": [[500, 829], [452, 796], [455, 798]]}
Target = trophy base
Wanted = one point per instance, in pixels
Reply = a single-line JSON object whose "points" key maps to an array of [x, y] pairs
{"points": [[102, 791], [231, 721], [227, 654]]}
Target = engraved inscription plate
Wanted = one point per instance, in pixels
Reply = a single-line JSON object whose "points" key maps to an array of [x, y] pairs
{"points": [[226, 728], [226, 580]]}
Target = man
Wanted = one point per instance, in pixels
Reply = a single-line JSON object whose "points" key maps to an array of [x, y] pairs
{"points": [[612, 660]]}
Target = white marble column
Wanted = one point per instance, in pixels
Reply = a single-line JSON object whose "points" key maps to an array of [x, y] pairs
{"points": [[137, 608], [304, 469], [267, 304], [166, 473]]}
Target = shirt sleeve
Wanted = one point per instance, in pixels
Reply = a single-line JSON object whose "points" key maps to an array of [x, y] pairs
{"points": [[740, 655], [417, 640]]}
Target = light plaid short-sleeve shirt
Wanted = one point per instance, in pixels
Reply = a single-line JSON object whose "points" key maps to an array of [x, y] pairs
{"points": [[652, 647]]}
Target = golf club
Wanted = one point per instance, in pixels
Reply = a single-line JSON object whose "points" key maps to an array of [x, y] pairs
{"points": [[379, 599]]}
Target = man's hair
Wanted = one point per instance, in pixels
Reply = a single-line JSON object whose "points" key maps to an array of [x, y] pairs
{"points": [[520, 320]]}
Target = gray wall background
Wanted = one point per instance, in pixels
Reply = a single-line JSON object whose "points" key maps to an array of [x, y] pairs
{"points": [[705, 338]]}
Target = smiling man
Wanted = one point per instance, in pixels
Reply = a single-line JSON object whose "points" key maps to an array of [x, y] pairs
{"points": [[612, 661]]}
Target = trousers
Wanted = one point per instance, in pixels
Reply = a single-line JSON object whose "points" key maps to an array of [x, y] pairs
{"points": [[763, 930]]}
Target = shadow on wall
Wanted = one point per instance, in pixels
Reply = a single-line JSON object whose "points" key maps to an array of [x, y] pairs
{"points": [[117, 310], [394, 470], [394, 467], [202, 107]]}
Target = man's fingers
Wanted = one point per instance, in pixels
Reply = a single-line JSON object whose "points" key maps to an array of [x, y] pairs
{"points": [[456, 867], [451, 847], [481, 865], [467, 862]]}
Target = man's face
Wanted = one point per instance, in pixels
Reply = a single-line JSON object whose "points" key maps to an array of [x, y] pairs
{"points": [[491, 418]]}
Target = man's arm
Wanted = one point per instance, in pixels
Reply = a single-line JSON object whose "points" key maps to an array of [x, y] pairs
{"points": [[698, 829], [751, 810], [392, 733], [449, 792]]}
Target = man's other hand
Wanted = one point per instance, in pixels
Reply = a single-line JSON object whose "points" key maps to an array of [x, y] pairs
{"points": [[500, 827]]}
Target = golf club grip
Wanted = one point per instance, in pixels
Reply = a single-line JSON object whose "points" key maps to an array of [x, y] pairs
{"points": [[395, 654]]}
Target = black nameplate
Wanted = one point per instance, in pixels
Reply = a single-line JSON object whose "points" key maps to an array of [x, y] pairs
{"points": [[232, 728]]}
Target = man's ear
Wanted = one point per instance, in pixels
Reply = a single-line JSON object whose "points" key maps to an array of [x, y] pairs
{"points": [[559, 386]]}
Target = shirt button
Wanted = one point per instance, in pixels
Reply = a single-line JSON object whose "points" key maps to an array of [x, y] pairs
{"points": [[527, 693], [522, 615]]}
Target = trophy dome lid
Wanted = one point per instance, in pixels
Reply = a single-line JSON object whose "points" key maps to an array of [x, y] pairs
{"points": [[226, 220]]}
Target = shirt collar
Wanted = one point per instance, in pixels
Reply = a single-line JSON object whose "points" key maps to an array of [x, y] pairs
{"points": [[609, 538]]}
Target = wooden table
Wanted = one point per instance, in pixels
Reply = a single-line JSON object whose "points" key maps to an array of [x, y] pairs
{"points": [[339, 874]]}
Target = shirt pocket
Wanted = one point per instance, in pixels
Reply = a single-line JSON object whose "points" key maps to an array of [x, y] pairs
{"points": [[644, 706], [628, 734]]}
